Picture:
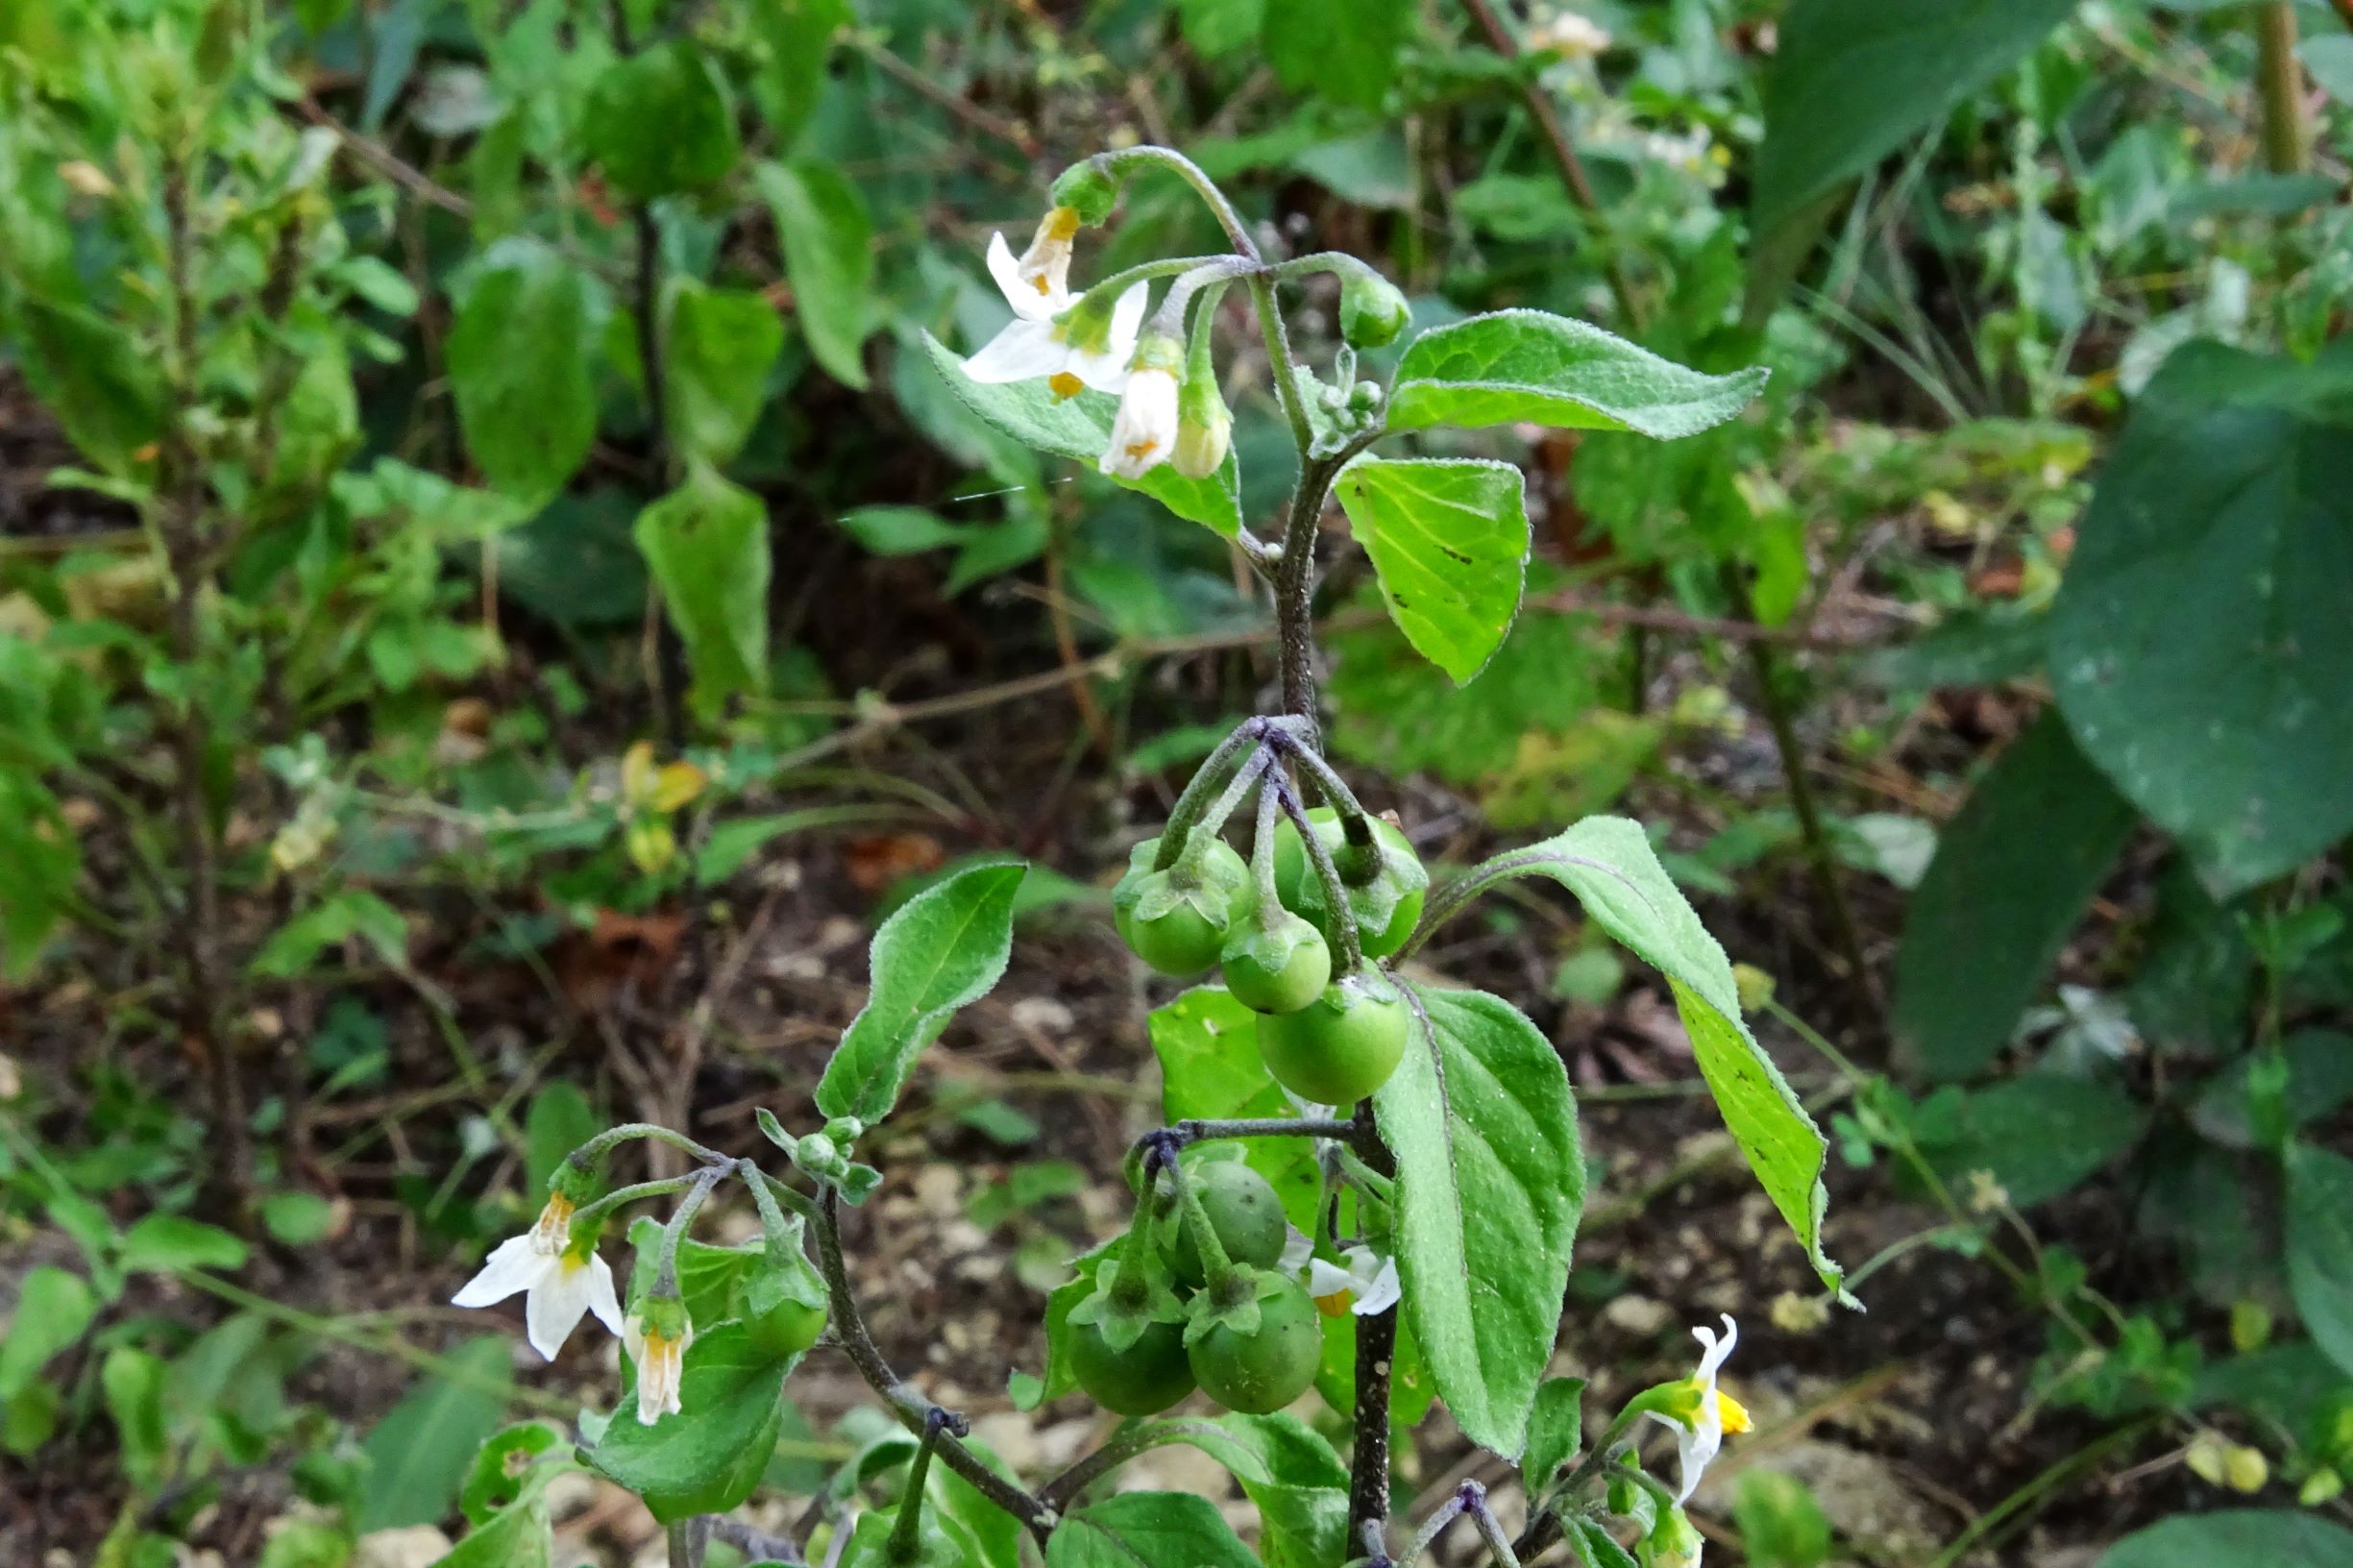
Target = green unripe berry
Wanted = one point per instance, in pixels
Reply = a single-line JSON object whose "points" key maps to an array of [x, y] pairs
{"points": [[1144, 1379], [1259, 1373], [1275, 961], [1243, 1211], [1372, 312], [1386, 898], [1177, 919], [1342, 1045]]}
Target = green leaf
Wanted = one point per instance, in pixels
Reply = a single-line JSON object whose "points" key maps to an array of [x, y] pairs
{"points": [[1079, 427], [2236, 1537], [2321, 1246], [1556, 1428], [422, 1448], [520, 1537], [1526, 366], [706, 544], [2014, 871], [708, 1458], [1290, 1475], [1489, 1186], [44, 862], [660, 122], [53, 1309], [1345, 50], [512, 1465], [167, 1243], [297, 1218], [2329, 59], [797, 37], [2036, 1136], [941, 952], [828, 240], [1207, 1043], [1449, 540], [559, 1121], [1147, 1529], [295, 947], [519, 361], [94, 377], [1608, 864], [2199, 643], [718, 347], [133, 1382], [1853, 79]]}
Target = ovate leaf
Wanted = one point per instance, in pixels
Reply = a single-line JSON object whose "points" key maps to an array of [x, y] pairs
{"points": [[1080, 428], [1290, 1473], [1489, 1186], [827, 239], [518, 358], [2236, 1537], [1853, 78], [943, 950], [2321, 1246], [103, 389], [706, 544], [709, 1458], [1449, 540], [660, 122], [2014, 871], [2036, 1136], [1526, 366], [1610, 866], [2201, 645], [53, 1306], [422, 1449], [718, 347], [797, 37], [1147, 1529]]}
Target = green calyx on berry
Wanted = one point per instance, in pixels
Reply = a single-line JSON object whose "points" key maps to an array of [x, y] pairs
{"points": [[1176, 919], [1262, 1369], [1245, 1215], [1341, 1047], [784, 1302], [1146, 1377], [1275, 961], [1383, 878]]}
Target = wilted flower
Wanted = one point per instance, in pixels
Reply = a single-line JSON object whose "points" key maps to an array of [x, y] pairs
{"points": [[1146, 432], [656, 1337], [561, 1282]]}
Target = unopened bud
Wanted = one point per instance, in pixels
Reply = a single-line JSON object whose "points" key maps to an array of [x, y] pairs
{"points": [[1372, 312], [1088, 189]]}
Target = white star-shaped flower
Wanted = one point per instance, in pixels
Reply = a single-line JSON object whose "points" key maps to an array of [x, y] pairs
{"points": [[1366, 1285], [1712, 1412], [1037, 341], [1145, 430], [561, 1284]]}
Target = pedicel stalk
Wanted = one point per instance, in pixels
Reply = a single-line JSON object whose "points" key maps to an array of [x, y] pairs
{"points": [[1384, 1218]]}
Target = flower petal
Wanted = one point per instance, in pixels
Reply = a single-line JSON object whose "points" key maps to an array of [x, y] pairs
{"points": [[1381, 1294], [555, 1306], [513, 1265], [600, 1298], [1298, 1247], [1325, 1279], [1006, 269], [1127, 318], [1022, 351]]}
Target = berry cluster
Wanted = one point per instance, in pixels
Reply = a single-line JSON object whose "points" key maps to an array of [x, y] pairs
{"points": [[1296, 930]]}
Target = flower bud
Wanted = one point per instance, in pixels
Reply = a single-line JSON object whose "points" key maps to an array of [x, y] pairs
{"points": [[1205, 426], [1088, 189], [1372, 312], [1145, 431]]}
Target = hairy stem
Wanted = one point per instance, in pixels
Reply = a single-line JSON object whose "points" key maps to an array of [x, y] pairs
{"points": [[1369, 1471], [910, 1408]]}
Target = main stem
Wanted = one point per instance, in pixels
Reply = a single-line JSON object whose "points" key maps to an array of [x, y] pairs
{"points": [[1368, 1474], [2279, 88]]}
